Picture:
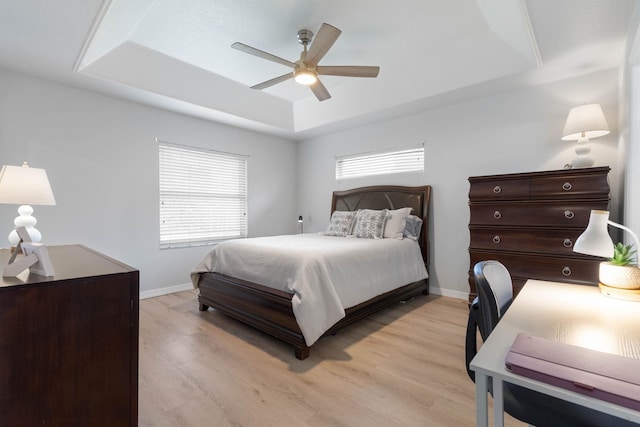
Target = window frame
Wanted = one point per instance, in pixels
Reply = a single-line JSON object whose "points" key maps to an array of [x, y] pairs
{"points": [[366, 164], [202, 195]]}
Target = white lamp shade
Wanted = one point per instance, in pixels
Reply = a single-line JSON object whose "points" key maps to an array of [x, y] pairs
{"points": [[585, 121], [595, 239], [22, 185]]}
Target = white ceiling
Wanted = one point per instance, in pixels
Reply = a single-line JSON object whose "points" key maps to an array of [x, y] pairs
{"points": [[176, 54]]}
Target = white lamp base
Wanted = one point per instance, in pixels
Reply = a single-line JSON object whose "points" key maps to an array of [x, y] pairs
{"points": [[27, 221], [582, 159]]}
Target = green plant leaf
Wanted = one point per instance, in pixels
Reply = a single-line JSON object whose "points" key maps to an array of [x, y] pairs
{"points": [[622, 254]]}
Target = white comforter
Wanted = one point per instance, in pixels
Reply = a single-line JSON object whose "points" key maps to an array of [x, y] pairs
{"points": [[325, 274]]}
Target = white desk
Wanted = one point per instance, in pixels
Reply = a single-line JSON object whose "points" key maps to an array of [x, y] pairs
{"points": [[572, 314]]}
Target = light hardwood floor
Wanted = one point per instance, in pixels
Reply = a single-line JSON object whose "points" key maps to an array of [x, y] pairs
{"points": [[403, 366]]}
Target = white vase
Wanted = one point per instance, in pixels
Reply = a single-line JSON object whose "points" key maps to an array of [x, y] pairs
{"points": [[620, 276]]}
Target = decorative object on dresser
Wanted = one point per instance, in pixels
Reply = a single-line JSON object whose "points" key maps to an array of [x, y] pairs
{"points": [[620, 276], [69, 344], [25, 186], [36, 257], [530, 222], [584, 122]]}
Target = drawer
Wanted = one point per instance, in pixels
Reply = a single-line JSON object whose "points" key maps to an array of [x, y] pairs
{"points": [[535, 214], [573, 186], [503, 189], [546, 241], [553, 268]]}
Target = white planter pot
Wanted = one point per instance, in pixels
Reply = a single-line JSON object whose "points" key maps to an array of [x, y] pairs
{"points": [[620, 276]]}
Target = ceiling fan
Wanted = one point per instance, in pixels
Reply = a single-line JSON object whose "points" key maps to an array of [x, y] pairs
{"points": [[306, 69]]}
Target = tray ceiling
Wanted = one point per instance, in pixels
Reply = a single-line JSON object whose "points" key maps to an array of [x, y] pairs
{"points": [[176, 54]]}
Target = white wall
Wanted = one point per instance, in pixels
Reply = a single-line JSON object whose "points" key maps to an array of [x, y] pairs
{"points": [[101, 157], [516, 131], [630, 105], [632, 198]]}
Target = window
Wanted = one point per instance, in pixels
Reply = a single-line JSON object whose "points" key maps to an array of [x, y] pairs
{"points": [[203, 196], [380, 163]]}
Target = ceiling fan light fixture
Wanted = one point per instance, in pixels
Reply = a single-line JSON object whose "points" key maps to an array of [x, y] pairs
{"points": [[306, 69], [305, 77]]}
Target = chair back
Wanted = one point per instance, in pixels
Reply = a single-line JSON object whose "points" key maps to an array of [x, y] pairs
{"points": [[495, 294]]}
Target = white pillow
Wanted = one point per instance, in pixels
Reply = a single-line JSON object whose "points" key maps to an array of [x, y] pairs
{"points": [[396, 221]]}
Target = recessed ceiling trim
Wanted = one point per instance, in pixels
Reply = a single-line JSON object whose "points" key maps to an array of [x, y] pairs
{"points": [[115, 23], [144, 68], [510, 20], [92, 32]]}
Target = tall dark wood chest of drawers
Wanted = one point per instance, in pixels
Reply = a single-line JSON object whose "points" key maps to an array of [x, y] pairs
{"points": [[69, 343], [529, 222]]}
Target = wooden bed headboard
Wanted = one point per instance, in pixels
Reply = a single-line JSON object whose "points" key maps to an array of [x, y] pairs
{"points": [[389, 197]]}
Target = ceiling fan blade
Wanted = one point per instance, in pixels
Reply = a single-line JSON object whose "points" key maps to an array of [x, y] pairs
{"points": [[262, 54], [273, 81], [322, 42], [320, 91], [348, 71]]}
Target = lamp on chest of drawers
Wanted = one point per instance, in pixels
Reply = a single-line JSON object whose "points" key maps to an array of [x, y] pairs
{"points": [[616, 280], [25, 186], [584, 122]]}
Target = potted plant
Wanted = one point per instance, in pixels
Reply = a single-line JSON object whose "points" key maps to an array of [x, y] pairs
{"points": [[620, 271]]}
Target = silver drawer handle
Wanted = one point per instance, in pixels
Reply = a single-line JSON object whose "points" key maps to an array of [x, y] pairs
{"points": [[566, 186], [497, 189], [567, 243], [566, 271], [497, 215], [496, 239], [569, 214]]}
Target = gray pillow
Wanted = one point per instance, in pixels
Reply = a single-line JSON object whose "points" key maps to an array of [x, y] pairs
{"points": [[341, 223], [369, 223], [412, 227]]}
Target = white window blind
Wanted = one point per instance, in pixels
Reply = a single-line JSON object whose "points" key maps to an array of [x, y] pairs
{"points": [[380, 163], [203, 196]]}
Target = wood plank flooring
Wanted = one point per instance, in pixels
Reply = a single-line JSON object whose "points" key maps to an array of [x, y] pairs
{"points": [[403, 366]]}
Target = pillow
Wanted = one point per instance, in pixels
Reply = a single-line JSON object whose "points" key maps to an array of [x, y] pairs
{"points": [[396, 221], [413, 227], [370, 223], [341, 223]]}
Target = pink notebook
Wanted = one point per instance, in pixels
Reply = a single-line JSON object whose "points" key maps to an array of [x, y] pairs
{"points": [[604, 376]]}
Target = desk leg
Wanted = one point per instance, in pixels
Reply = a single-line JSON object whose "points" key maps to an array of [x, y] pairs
{"points": [[482, 402], [498, 403]]}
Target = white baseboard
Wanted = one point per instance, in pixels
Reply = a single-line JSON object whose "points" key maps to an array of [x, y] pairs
{"points": [[449, 293], [164, 291]]}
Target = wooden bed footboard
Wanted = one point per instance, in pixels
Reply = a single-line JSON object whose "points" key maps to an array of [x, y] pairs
{"points": [[271, 311]]}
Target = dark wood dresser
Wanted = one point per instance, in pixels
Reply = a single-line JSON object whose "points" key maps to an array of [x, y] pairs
{"points": [[69, 343], [529, 222]]}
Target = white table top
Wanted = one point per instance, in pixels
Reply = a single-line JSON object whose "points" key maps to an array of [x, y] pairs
{"points": [[568, 313]]}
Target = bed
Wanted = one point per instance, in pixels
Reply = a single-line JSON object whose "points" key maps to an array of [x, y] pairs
{"points": [[272, 309]]}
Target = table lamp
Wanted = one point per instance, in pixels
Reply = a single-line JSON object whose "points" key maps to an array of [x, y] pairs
{"points": [[584, 122], [25, 186], [618, 281]]}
